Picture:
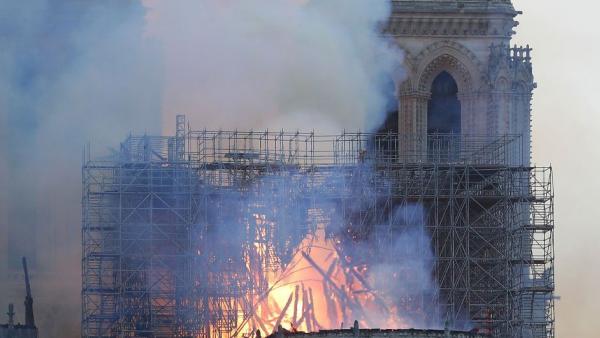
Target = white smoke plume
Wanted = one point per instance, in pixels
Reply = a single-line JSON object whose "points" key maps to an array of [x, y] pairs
{"points": [[276, 64], [73, 72], [390, 249]]}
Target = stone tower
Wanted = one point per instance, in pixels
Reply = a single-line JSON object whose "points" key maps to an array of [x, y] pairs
{"points": [[462, 76]]}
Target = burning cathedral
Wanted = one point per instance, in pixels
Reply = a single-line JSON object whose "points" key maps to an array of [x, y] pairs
{"points": [[436, 223]]}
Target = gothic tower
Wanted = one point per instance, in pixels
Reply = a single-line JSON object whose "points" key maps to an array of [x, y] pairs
{"points": [[464, 81], [462, 75]]}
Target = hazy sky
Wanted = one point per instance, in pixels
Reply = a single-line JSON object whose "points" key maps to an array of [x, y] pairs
{"points": [[566, 120]]}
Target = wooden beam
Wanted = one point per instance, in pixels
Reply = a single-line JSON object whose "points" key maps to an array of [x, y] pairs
{"points": [[282, 314], [354, 305], [295, 316], [314, 318]]}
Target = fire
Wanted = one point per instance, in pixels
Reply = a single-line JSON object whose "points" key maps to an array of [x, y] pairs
{"points": [[318, 289]]}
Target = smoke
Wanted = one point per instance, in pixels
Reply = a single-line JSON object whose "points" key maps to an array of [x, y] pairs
{"points": [[394, 243], [276, 64], [73, 72], [403, 267], [379, 263]]}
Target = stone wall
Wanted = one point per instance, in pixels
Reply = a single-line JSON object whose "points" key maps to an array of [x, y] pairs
{"points": [[470, 40]]}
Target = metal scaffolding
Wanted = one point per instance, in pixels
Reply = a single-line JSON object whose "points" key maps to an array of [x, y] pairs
{"points": [[155, 265]]}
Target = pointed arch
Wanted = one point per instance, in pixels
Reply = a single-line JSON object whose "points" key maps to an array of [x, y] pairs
{"points": [[443, 108], [450, 64]]}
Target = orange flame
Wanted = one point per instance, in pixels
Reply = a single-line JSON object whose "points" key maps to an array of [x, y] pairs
{"points": [[317, 290]]}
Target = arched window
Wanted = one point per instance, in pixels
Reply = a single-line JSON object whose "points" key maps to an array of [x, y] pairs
{"points": [[443, 109]]}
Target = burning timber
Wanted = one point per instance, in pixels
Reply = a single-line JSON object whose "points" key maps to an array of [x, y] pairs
{"points": [[222, 233]]}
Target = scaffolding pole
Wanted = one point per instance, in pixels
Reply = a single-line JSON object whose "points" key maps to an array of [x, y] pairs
{"points": [[154, 265]]}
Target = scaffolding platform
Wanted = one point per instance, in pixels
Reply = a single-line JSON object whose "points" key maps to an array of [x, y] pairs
{"points": [[153, 267]]}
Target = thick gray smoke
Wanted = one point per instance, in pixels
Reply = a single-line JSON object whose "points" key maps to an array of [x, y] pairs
{"points": [[276, 64], [70, 72], [390, 250], [73, 72]]}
